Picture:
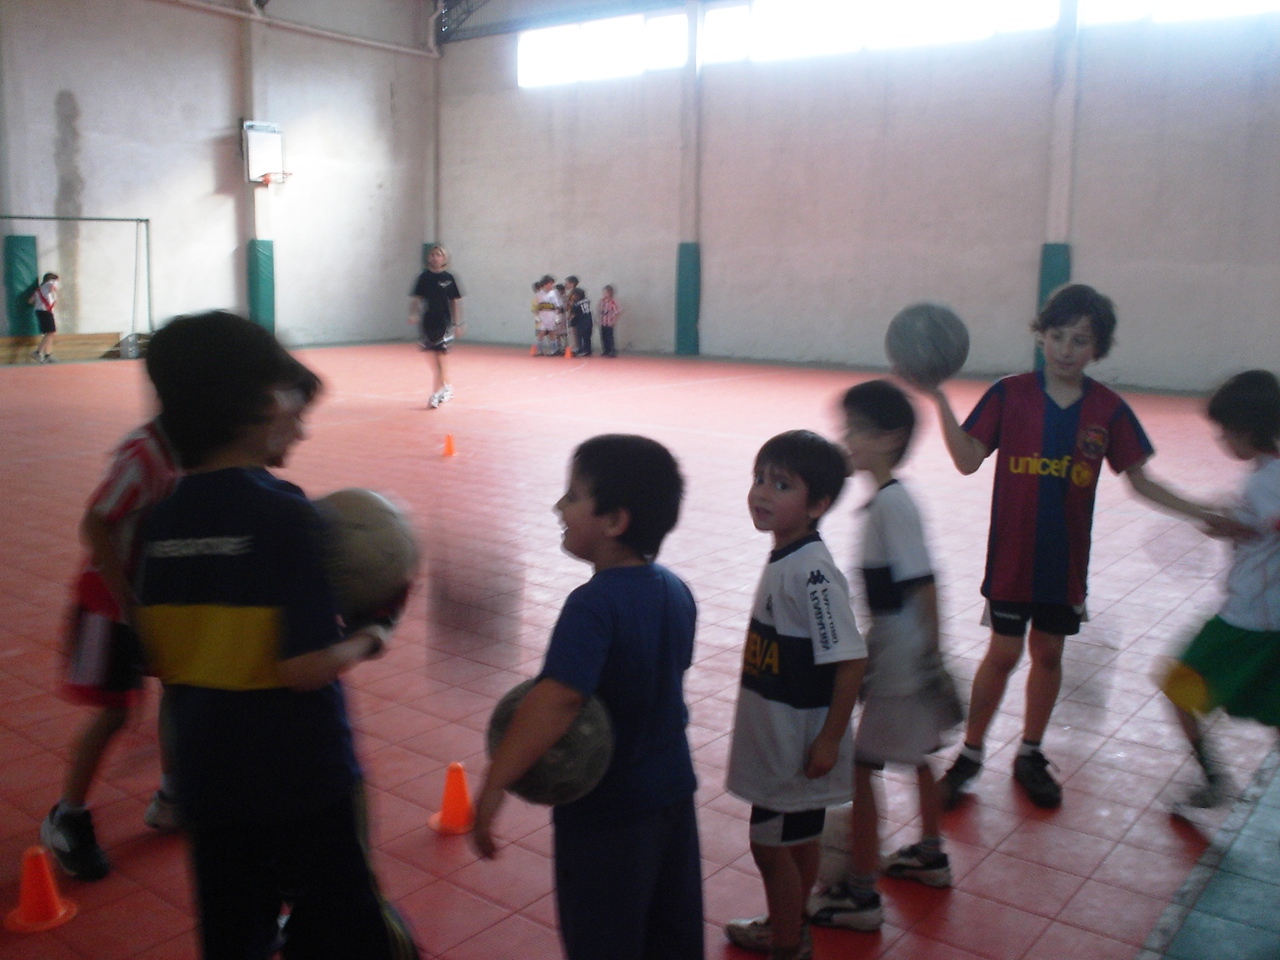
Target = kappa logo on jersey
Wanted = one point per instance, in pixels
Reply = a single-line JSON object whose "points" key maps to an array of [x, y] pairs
{"points": [[816, 577], [761, 655], [1093, 442]]}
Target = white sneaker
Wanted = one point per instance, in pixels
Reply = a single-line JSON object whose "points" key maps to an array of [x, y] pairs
{"points": [[162, 814], [841, 905], [446, 393], [435, 401]]}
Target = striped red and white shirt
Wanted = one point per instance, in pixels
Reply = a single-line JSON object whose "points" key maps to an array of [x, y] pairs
{"points": [[143, 471]]}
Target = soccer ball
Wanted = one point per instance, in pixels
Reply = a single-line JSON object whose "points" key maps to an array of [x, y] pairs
{"points": [[576, 762], [371, 552], [927, 343]]}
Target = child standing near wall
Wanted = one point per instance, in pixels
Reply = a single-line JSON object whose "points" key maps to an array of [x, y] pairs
{"points": [[580, 311], [1051, 430], [44, 298], [1234, 661], [609, 312], [903, 718], [547, 314], [802, 668]]}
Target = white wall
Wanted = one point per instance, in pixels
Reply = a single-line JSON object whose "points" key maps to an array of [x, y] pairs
{"points": [[158, 92], [835, 191], [581, 180]]}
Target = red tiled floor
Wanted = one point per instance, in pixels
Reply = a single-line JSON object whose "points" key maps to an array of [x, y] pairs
{"points": [[1085, 881]]}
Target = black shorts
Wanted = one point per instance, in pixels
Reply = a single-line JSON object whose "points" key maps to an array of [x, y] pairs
{"points": [[46, 321], [770, 828], [1010, 619], [436, 339]]}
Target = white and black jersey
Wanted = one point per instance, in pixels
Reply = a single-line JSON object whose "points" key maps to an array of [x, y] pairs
{"points": [[801, 627]]}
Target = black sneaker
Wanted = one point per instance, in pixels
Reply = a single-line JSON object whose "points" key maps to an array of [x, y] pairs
{"points": [[961, 772], [70, 836], [1032, 771], [912, 863], [847, 906]]}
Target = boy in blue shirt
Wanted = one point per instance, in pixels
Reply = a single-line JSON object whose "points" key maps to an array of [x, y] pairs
{"points": [[627, 865]]}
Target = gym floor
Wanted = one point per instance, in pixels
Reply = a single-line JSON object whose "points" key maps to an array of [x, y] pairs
{"points": [[1109, 876]]}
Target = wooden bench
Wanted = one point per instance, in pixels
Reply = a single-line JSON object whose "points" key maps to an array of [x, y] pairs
{"points": [[68, 346]]}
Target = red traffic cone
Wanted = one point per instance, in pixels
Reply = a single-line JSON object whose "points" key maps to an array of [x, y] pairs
{"points": [[40, 906], [456, 815]]}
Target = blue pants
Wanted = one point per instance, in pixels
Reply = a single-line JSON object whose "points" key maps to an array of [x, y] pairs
{"points": [[631, 891]]}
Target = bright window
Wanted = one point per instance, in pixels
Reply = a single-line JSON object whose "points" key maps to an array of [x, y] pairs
{"points": [[1166, 11], [602, 49]]}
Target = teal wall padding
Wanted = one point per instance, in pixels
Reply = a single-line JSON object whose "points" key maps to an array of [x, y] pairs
{"points": [[262, 283], [1055, 270], [20, 272], [688, 298]]}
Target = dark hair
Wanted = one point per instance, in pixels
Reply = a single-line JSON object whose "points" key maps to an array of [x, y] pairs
{"points": [[1077, 300], [578, 294], [814, 459], [546, 278], [572, 279], [1249, 404], [49, 276], [638, 475], [885, 407], [537, 285], [213, 373]]}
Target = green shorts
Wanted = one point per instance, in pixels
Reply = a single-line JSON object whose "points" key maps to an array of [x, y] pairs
{"points": [[1229, 667]]}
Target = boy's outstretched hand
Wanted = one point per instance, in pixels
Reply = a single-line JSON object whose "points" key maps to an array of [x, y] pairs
{"points": [[487, 807], [1223, 527]]}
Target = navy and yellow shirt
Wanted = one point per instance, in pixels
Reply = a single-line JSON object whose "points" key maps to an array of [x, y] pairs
{"points": [[231, 582]]}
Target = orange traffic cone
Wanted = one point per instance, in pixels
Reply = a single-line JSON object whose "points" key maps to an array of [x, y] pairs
{"points": [[533, 350], [40, 906], [456, 815], [568, 352], [449, 449]]}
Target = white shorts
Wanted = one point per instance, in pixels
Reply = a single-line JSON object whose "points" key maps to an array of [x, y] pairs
{"points": [[898, 730]]}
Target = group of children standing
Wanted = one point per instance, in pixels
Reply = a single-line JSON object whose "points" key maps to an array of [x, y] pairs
{"points": [[561, 309], [229, 600]]}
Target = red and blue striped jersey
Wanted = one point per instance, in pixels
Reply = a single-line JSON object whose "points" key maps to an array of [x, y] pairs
{"points": [[1047, 463]]}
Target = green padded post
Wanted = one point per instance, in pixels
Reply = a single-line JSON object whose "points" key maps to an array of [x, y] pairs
{"points": [[1055, 270], [688, 298], [20, 272], [262, 283]]}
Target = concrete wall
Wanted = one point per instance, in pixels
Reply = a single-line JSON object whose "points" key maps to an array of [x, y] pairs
{"points": [[132, 108], [580, 180], [835, 191]]}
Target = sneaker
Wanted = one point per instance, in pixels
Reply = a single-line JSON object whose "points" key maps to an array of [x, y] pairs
{"points": [[435, 401], [755, 934], [961, 772], [1214, 792], [70, 836], [842, 905], [1032, 771], [910, 863], [446, 393], [37, 356], [162, 813]]}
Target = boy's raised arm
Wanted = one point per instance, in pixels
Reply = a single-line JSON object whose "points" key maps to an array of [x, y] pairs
{"points": [[1215, 524], [967, 452], [543, 717], [844, 696]]}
